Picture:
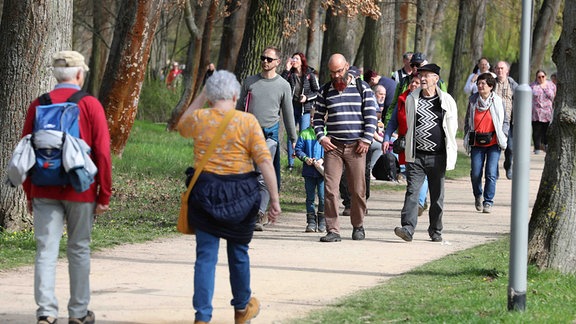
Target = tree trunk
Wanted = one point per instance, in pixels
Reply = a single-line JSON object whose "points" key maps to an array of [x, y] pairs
{"points": [[195, 21], [26, 46], [551, 242], [379, 38], [232, 35], [429, 15], [478, 9], [461, 58], [342, 36], [292, 23], [204, 59], [104, 13], [126, 67], [401, 31], [316, 14], [542, 32], [438, 18], [263, 28]]}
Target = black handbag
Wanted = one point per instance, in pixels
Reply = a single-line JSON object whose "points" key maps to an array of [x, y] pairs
{"points": [[484, 138], [399, 145]]}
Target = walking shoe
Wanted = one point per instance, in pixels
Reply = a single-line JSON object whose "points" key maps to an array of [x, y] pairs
{"points": [[310, 228], [478, 203], [311, 222], [248, 313], [90, 318], [487, 208], [346, 212], [321, 222], [358, 233], [437, 238], [47, 320], [403, 233], [331, 237], [260, 221], [509, 174]]}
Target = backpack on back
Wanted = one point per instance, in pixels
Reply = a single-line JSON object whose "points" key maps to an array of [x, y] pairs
{"points": [[51, 125]]}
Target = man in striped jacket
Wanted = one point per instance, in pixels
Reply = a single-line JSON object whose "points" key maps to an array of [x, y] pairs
{"points": [[350, 120]]}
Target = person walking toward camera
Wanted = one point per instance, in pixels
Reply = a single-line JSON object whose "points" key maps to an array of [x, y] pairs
{"points": [[543, 94], [268, 96], [309, 151], [229, 175], [485, 126], [304, 92], [346, 136], [431, 149], [54, 206]]}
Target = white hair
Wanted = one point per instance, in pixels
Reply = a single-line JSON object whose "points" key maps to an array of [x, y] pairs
{"points": [[222, 85], [63, 74]]}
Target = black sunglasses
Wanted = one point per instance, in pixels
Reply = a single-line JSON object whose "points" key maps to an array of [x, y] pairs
{"points": [[267, 59]]}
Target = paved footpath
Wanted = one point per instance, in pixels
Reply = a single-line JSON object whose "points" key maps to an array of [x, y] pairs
{"points": [[292, 273]]}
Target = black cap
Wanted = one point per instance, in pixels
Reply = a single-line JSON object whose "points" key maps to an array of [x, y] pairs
{"points": [[417, 58], [432, 67]]}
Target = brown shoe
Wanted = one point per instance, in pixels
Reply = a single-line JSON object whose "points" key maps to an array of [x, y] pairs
{"points": [[248, 313], [90, 318]]}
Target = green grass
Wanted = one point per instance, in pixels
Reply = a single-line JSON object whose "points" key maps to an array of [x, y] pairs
{"points": [[465, 287]]}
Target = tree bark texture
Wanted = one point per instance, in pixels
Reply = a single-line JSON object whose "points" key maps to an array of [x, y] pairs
{"points": [[343, 36], [126, 67], [478, 8], [232, 34], [542, 32], [197, 15], [461, 58], [316, 15], [205, 48], [552, 229], [263, 28], [293, 22], [400, 31], [104, 19], [30, 33], [379, 39]]}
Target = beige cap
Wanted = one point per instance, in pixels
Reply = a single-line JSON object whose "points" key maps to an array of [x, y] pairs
{"points": [[69, 59]]}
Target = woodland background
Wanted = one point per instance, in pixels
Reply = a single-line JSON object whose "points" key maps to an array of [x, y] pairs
{"points": [[129, 45]]}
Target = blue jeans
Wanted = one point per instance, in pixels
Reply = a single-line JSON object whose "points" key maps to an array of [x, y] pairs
{"points": [[50, 215], [271, 136], [207, 246], [313, 184], [302, 120], [479, 155]]}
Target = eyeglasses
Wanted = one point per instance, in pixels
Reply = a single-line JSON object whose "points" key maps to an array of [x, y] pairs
{"points": [[267, 59], [541, 76]]}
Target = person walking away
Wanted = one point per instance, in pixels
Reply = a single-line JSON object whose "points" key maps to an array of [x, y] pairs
{"points": [[267, 96], [52, 206], [242, 145], [311, 153], [484, 138], [350, 126], [505, 87], [431, 149], [305, 89], [543, 94]]}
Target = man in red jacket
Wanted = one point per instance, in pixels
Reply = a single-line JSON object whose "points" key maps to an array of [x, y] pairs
{"points": [[54, 206]]}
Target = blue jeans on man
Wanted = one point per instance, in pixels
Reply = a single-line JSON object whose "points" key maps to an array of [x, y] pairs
{"points": [[271, 136], [484, 160], [207, 246]]}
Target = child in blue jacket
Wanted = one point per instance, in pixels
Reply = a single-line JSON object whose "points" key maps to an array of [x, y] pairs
{"points": [[309, 151]]}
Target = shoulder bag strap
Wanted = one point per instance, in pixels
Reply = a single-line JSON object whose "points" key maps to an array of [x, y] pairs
{"points": [[209, 151]]}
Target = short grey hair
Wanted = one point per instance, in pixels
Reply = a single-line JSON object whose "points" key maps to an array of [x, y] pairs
{"points": [[222, 85], [63, 74]]}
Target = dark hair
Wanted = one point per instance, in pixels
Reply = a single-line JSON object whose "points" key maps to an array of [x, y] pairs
{"points": [[490, 80], [275, 49], [369, 74], [304, 67]]}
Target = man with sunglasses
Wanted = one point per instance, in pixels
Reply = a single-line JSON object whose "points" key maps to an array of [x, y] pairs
{"points": [[264, 95]]}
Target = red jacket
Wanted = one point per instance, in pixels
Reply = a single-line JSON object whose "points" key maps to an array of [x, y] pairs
{"points": [[94, 131], [402, 126]]}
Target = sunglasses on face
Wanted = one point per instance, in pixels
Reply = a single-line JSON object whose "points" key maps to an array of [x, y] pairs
{"points": [[267, 59]]}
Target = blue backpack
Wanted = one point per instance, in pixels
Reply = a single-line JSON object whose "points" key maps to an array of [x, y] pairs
{"points": [[52, 123]]}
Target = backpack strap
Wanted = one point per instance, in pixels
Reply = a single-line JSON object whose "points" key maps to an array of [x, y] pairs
{"points": [[77, 96], [45, 99]]}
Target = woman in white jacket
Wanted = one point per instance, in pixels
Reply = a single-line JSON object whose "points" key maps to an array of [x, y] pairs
{"points": [[485, 140]]}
